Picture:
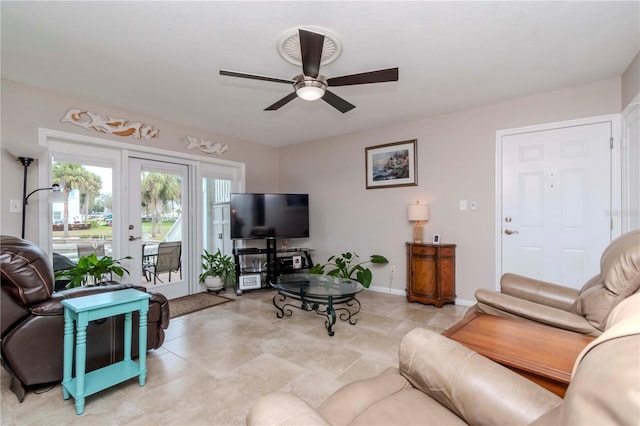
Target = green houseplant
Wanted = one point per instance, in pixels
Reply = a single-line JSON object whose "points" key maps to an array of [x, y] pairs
{"points": [[347, 264], [217, 270], [92, 270]]}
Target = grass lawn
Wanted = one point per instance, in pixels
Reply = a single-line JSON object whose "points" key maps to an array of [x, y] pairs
{"points": [[106, 232]]}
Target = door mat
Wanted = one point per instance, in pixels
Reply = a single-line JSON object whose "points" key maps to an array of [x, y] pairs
{"points": [[194, 302]]}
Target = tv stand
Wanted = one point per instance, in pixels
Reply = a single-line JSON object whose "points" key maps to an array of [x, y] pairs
{"points": [[257, 267]]}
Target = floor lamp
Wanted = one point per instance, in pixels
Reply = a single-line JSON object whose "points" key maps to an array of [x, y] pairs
{"points": [[26, 162]]}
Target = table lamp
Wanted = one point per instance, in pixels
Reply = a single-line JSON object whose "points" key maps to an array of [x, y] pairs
{"points": [[418, 213]]}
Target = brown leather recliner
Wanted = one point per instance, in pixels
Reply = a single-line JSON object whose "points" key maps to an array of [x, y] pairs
{"points": [[33, 320], [582, 311], [440, 382]]}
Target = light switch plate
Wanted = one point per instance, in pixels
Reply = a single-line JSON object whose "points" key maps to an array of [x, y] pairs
{"points": [[474, 205], [15, 206], [463, 204]]}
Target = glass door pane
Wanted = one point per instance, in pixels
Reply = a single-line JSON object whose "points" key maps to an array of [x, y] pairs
{"points": [[84, 224], [215, 201], [158, 230]]}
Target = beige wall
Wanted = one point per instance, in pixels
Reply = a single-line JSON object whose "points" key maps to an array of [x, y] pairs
{"points": [[456, 161], [631, 82], [25, 109]]}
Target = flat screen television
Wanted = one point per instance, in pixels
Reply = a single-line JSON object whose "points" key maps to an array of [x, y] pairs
{"points": [[258, 216]]}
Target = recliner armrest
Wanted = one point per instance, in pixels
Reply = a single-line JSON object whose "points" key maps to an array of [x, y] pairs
{"points": [[504, 305], [537, 291], [475, 388]]}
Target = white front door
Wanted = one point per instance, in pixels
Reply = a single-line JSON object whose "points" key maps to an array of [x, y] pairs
{"points": [[158, 211], [556, 202]]}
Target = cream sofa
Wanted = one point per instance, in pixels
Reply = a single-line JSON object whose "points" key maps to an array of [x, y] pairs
{"points": [[582, 311], [440, 382]]}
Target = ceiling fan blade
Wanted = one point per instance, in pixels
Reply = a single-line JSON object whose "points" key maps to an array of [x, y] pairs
{"points": [[311, 49], [337, 102], [254, 76], [379, 76], [291, 96]]}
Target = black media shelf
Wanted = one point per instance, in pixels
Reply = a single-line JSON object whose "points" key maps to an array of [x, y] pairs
{"points": [[273, 262]]}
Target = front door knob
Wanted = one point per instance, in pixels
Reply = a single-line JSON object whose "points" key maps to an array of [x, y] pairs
{"points": [[509, 232]]}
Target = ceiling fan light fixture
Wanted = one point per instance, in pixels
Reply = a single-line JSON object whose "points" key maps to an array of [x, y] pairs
{"points": [[310, 89]]}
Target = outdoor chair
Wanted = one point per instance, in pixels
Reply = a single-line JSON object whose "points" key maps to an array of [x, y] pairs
{"points": [[168, 260], [86, 248]]}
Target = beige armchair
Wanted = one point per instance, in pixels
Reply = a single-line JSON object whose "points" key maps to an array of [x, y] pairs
{"points": [[442, 382], [582, 311]]}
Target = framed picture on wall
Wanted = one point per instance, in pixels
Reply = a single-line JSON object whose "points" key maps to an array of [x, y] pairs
{"points": [[391, 165]]}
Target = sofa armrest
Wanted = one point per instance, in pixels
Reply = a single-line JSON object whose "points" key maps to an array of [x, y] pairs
{"points": [[504, 305], [541, 292], [475, 388], [53, 305], [163, 303], [282, 408]]}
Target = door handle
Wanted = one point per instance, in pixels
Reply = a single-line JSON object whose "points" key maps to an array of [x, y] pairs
{"points": [[509, 232], [132, 238]]}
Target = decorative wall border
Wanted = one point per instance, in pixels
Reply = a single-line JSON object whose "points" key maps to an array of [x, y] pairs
{"points": [[207, 146], [115, 126]]}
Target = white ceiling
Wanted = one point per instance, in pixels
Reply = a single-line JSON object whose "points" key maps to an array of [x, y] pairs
{"points": [[162, 58]]}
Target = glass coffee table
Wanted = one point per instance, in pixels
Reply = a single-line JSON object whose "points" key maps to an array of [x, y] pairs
{"points": [[318, 293]]}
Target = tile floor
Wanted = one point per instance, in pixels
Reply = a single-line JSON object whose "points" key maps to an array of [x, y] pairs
{"points": [[215, 363]]}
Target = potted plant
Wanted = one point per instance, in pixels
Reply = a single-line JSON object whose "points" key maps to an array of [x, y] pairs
{"points": [[344, 267], [217, 270], [92, 270]]}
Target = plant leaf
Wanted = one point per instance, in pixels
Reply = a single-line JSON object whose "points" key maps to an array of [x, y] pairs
{"points": [[376, 258], [364, 277], [317, 269]]}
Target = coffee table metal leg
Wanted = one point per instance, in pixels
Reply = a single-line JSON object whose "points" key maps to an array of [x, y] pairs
{"points": [[281, 310], [331, 316], [325, 308], [348, 315]]}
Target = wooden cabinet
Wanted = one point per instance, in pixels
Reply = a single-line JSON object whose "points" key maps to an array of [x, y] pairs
{"points": [[431, 273]]}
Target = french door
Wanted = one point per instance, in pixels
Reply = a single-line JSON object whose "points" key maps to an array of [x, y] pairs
{"points": [[125, 211], [159, 221]]}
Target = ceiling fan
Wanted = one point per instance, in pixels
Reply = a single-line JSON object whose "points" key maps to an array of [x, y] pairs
{"points": [[311, 85]]}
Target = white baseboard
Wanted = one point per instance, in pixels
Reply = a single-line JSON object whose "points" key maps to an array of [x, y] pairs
{"points": [[397, 292]]}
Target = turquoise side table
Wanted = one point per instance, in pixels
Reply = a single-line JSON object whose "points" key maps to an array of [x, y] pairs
{"points": [[90, 308]]}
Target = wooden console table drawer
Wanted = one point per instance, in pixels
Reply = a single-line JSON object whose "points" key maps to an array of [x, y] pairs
{"points": [[544, 355]]}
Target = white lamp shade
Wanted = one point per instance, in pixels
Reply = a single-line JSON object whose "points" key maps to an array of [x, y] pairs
{"points": [[418, 212]]}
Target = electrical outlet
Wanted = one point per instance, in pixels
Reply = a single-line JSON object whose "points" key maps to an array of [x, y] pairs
{"points": [[15, 206], [393, 269]]}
